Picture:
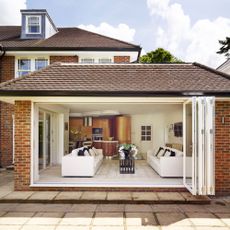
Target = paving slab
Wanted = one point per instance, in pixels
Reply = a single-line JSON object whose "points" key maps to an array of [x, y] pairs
{"points": [[144, 196], [192, 208], [173, 219], [108, 219], [10, 227], [119, 196], [38, 227], [77, 218], [2, 213], [83, 208], [138, 208], [170, 196], [204, 219], [106, 228], [225, 217], [31, 207], [143, 228], [4, 193], [57, 207], [17, 196], [178, 228], [140, 219], [110, 208], [46, 218], [195, 199], [212, 228], [16, 218], [218, 208], [6, 207], [43, 196], [94, 196], [65, 227], [165, 208], [68, 196]]}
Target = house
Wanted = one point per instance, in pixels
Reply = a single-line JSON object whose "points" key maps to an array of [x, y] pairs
{"points": [[183, 109], [225, 67], [36, 44]]}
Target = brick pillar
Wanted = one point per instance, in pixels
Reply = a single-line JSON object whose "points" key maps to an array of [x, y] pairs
{"points": [[222, 148], [121, 59], [7, 72], [22, 144], [63, 59]]}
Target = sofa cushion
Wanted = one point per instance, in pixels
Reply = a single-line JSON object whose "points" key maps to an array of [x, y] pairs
{"points": [[95, 151], [86, 153], [91, 152], [167, 153]]}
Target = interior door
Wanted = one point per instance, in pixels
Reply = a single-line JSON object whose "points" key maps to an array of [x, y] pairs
{"points": [[199, 145], [190, 145]]}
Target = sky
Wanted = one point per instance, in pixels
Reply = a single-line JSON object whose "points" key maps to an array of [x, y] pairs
{"points": [[189, 29]]}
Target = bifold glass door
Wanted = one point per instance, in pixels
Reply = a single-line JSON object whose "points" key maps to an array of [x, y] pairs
{"points": [[199, 145], [44, 139]]}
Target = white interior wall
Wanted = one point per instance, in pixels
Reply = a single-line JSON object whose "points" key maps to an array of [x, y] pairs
{"points": [[160, 122], [172, 117]]}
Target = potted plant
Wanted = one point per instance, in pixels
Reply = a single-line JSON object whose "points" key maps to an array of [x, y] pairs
{"points": [[127, 150]]}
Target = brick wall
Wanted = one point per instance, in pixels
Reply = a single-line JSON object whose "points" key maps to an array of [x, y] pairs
{"points": [[22, 144], [222, 148], [63, 59], [121, 59], [7, 72]]}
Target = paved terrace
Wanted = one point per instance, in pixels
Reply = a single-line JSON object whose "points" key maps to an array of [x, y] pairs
{"points": [[97, 216]]}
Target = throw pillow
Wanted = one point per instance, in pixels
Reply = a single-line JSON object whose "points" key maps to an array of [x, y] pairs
{"points": [[161, 153], [158, 151], [80, 153], [179, 154], [172, 154], [166, 150], [167, 154], [74, 152], [86, 153]]}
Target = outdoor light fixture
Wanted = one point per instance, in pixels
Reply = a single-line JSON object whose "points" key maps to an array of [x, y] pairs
{"points": [[222, 120]]}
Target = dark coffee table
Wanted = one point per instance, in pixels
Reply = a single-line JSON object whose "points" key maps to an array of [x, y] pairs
{"points": [[127, 166]]}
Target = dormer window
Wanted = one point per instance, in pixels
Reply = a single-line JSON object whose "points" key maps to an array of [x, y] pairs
{"points": [[33, 24]]}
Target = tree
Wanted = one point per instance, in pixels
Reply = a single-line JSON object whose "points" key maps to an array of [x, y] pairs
{"points": [[159, 56], [225, 47]]}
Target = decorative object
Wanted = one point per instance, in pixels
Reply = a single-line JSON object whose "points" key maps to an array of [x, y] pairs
{"points": [[178, 129], [77, 133], [127, 151]]}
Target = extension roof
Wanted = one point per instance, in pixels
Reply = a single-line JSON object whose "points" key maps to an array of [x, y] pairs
{"points": [[66, 39], [71, 79]]}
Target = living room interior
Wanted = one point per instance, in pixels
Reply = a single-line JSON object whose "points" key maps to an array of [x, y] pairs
{"points": [[155, 130]]}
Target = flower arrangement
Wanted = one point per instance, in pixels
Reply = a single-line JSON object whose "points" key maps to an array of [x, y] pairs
{"points": [[127, 150]]}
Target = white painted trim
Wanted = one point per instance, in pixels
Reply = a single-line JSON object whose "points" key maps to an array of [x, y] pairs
{"points": [[103, 185], [32, 147]]}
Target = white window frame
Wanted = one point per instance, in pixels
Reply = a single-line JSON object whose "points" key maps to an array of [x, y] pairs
{"points": [[84, 60], [102, 60], [32, 63], [27, 25]]}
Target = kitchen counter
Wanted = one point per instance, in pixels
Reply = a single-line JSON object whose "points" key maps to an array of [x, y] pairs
{"points": [[110, 148]]}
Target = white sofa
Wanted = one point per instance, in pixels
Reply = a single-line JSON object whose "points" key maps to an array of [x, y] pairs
{"points": [[169, 166], [81, 166]]}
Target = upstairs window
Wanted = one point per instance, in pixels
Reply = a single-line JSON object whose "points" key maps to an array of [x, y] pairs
{"points": [[33, 24], [24, 67], [27, 65], [87, 60], [104, 60], [40, 63]]}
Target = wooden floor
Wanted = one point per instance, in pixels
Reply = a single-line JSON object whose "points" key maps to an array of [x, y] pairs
{"points": [[108, 174]]}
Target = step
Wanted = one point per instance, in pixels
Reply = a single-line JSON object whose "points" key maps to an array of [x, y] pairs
{"points": [[103, 197]]}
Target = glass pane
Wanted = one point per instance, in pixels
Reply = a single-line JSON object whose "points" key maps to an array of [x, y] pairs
{"points": [[33, 20], [22, 73], [33, 29], [143, 138], [41, 140], [149, 133], [24, 64], [148, 138], [40, 63], [189, 144], [48, 135], [149, 128], [105, 60]]}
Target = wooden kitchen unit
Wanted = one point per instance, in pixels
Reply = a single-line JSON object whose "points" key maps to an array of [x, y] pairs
{"points": [[110, 148]]}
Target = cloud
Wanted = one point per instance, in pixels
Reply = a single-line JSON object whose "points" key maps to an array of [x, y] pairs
{"points": [[190, 42], [122, 31], [10, 11]]}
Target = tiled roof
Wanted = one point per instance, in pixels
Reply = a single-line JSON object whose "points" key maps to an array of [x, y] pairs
{"points": [[124, 79], [66, 39]]}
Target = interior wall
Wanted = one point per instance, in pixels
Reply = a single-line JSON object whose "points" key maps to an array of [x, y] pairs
{"points": [[172, 117], [160, 122]]}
